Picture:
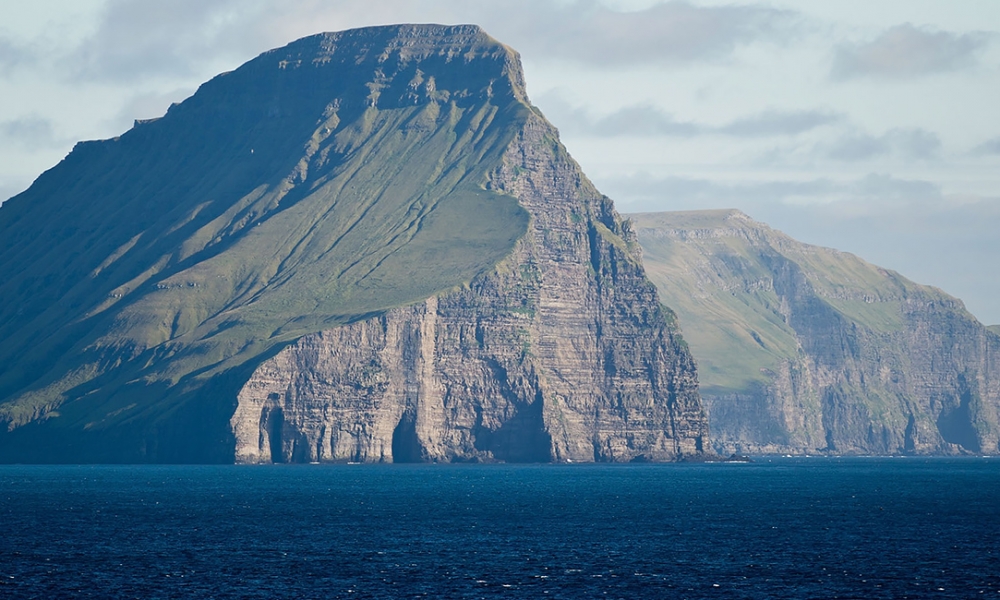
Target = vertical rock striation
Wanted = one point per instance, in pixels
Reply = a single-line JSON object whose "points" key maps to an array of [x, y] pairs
{"points": [[562, 353], [365, 245], [804, 349]]}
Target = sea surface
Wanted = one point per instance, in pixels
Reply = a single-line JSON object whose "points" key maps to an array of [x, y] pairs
{"points": [[775, 528]]}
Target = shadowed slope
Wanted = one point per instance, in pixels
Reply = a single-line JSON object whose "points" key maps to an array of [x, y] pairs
{"points": [[144, 277]]}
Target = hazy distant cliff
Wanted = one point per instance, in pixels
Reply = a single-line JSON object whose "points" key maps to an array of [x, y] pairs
{"points": [[804, 349], [366, 245]]}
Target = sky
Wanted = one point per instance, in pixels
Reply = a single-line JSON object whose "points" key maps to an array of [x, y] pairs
{"points": [[867, 126]]}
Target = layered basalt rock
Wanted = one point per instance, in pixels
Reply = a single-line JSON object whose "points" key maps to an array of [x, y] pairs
{"points": [[366, 245], [563, 353], [807, 350]]}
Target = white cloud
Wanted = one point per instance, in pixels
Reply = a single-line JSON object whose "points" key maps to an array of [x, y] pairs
{"points": [[906, 51], [777, 122], [647, 120], [681, 193], [12, 55], [641, 120], [909, 144], [30, 132], [137, 40], [147, 106], [989, 147], [666, 33]]}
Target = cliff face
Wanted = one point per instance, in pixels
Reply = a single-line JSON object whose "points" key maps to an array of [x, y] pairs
{"points": [[390, 179], [807, 350], [561, 353]]}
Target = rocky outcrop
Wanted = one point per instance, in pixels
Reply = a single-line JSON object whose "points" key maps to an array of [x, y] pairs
{"points": [[365, 245], [808, 350], [562, 353]]}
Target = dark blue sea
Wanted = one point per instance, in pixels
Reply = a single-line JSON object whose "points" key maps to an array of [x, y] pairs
{"points": [[775, 528]]}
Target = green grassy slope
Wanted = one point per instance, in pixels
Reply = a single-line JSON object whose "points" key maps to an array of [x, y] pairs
{"points": [[733, 324], [994, 328], [335, 178], [717, 269]]}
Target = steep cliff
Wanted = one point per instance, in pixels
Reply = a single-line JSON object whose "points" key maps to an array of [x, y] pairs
{"points": [[390, 179], [561, 353], [804, 349]]}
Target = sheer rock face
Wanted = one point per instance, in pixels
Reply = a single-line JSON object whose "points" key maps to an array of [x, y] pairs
{"points": [[821, 352], [929, 388], [562, 353], [367, 244]]}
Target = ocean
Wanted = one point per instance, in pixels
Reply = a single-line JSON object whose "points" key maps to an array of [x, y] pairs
{"points": [[774, 528]]}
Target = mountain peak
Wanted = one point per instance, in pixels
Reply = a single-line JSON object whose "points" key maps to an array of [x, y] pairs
{"points": [[314, 184], [695, 219], [415, 38], [406, 43], [394, 55], [383, 197]]}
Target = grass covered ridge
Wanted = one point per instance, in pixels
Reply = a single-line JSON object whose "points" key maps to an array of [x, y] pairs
{"points": [[730, 280], [316, 185]]}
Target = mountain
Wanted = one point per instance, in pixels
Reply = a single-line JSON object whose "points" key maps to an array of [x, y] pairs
{"points": [[803, 349], [366, 245]]}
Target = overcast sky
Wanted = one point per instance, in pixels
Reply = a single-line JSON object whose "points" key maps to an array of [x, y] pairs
{"points": [[869, 126]]}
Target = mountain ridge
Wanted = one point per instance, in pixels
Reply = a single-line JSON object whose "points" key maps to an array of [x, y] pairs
{"points": [[803, 349], [265, 145], [321, 184]]}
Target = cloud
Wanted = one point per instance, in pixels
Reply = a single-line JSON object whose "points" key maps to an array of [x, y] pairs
{"points": [[907, 225], [11, 56], [670, 32], [910, 144], [885, 190], [858, 147], [147, 106], [871, 192], [775, 122], [140, 39], [640, 120], [137, 39], [31, 132], [646, 120], [906, 51], [989, 147]]}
